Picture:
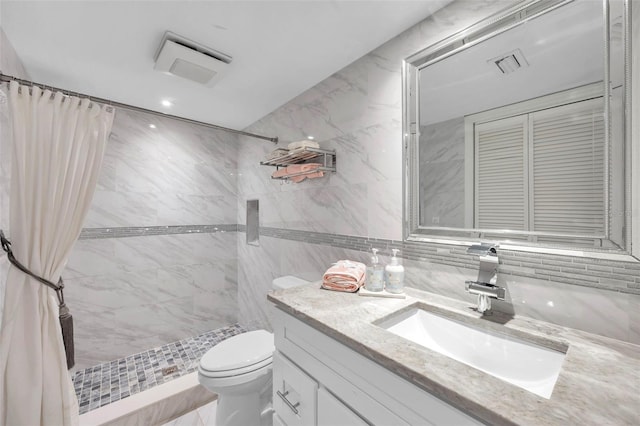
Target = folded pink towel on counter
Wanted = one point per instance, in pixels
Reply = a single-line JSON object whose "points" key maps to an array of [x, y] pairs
{"points": [[345, 275], [297, 169]]}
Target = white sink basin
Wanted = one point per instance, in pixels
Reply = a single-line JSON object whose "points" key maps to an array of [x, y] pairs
{"points": [[530, 366]]}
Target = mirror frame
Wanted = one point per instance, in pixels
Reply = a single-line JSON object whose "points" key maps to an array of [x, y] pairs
{"points": [[475, 34]]}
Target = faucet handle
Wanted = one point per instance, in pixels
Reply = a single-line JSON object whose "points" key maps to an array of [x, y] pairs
{"points": [[483, 249], [486, 289]]}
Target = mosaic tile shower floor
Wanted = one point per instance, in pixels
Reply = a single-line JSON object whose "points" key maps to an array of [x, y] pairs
{"points": [[112, 381]]}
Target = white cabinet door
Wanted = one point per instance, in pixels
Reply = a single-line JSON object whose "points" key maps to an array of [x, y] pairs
{"points": [[277, 421], [294, 393], [332, 412]]}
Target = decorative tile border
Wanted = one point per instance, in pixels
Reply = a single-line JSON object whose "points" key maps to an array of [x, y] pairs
{"points": [[142, 231], [605, 274], [112, 381], [588, 272]]}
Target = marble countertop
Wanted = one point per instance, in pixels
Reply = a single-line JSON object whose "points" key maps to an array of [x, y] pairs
{"points": [[599, 382]]}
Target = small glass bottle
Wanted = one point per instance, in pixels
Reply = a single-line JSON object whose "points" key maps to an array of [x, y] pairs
{"points": [[375, 274], [394, 272]]}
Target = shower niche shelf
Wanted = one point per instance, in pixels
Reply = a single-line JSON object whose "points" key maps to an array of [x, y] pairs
{"points": [[327, 159]]}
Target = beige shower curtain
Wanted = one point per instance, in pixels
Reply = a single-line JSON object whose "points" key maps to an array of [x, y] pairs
{"points": [[58, 146]]}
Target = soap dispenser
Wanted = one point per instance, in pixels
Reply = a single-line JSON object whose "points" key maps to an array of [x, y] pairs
{"points": [[375, 274], [394, 272]]}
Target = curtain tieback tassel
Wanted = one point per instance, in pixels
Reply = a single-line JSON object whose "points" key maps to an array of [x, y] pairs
{"points": [[66, 320]]}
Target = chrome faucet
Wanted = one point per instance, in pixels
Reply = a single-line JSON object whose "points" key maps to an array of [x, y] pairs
{"points": [[485, 292], [485, 286]]}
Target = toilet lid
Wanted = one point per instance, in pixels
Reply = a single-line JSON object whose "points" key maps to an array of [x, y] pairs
{"points": [[239, 351]]}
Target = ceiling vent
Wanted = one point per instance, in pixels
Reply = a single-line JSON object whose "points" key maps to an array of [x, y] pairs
{"points": [[509, 62], [187, 59]]}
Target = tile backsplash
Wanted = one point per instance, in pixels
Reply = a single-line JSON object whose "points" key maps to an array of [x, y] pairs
{"points": [[610, 313], [612, 275]]}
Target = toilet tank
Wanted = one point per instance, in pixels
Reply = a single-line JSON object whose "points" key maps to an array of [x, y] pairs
{"points": [[288, 281]]}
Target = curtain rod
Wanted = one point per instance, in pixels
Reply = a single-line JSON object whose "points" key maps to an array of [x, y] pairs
{"points": [[7, 78]]}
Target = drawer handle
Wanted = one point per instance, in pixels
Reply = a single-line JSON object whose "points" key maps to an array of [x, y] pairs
{"points": [[283, 396]]}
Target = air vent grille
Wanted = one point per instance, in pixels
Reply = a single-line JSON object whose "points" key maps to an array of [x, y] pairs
{"points": [[184, 58], [509, 62], [192, 71]]}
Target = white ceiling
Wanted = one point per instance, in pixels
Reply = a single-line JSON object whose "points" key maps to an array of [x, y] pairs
{"points": [[279, 48], [564, 49]]}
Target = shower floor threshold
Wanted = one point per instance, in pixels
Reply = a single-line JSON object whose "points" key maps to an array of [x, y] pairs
{"points": [[119, 380], [157, 405]]}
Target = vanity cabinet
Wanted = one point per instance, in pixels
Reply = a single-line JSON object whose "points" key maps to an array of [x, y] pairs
{"points": [[318, 381], [332, 411]]}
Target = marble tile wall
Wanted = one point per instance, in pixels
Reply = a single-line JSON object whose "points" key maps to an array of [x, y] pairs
{"points": [[143, 273], [441, 159], [131, 294], [174, 174], [358, 111]]}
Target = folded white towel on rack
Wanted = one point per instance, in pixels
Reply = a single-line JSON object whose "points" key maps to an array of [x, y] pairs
{"points": [[303, 144], [278, 152]]}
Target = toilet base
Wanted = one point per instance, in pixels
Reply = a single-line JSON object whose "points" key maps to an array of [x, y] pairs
{"points": [[248, 409]]}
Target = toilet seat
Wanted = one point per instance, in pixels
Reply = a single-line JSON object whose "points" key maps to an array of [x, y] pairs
{"points": [[236, 372], [238, 355]]}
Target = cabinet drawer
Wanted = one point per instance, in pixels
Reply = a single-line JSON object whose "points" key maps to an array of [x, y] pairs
{"points": [[294, 393]]}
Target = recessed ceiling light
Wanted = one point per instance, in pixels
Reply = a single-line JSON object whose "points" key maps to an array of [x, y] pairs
{"points": [[152, 126], [166, 102], [310, 138]]}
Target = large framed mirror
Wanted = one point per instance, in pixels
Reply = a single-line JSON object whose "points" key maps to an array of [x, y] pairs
{"points": [[517, 130]]}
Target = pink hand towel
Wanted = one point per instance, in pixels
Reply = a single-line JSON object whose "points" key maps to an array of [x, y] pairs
{"points": [[345, 275], [299, 168]]}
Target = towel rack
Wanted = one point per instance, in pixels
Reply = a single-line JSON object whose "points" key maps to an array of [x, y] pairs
{"points": [[302, 155]]}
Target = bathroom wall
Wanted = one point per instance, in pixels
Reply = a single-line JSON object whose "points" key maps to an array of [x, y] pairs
{"points": [[307, 226], [157, 261]]}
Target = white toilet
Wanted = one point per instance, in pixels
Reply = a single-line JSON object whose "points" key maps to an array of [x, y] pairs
{"points": [[238, 369]]}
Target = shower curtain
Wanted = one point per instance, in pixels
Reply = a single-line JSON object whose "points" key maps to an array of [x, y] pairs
{"points": [[58, 146]]}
